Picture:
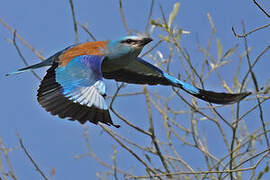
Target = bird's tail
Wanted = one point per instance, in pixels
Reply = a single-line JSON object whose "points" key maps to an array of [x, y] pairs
{"points": [[219, 98], [28, 68], [209, 96]]}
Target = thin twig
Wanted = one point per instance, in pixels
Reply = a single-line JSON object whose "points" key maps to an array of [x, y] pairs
{"points": [[253, 108], [209, 43], [235, 124], [163, 16], [22, 57], [135, 144], [193, 107], [261, 8], [123, 17], [121, 117], [94, 156], [31, 159], [152, 130], [37, 53], [152, 48], [11, 170], [74, 20], [203, 172], [128, 94], [110, 132], [250, 32], [265, 152], [85, 28], [114, 163], [2, 170], [129, 123], [257, 89], [149, 16]]}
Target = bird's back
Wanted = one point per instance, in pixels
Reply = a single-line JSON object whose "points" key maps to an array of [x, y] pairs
{"points": [[87, 48]]}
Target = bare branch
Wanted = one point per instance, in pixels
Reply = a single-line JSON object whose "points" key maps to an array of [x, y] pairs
{"points": [[31, 159], [152, 130], [110, 132], [74, 20], [250, 32], [149, 16], [21, 56], [37, 53], [11, 170], [123, 17], [257, 89], [85, 28], [261, 9]]}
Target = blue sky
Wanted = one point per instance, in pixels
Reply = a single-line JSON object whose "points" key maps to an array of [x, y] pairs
{"points": [[47, 26]]}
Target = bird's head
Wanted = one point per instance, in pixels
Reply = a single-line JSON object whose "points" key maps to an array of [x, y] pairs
{"points": [[126, 46]]}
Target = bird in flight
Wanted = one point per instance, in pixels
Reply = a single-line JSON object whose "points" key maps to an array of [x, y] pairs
{"points": [[73, 86]]}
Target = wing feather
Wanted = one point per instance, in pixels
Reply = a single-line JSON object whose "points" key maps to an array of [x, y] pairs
{"points": [[75, 93], [138, 72]]}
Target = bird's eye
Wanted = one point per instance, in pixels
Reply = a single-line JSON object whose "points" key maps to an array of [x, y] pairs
{"points": [[129, 41]]}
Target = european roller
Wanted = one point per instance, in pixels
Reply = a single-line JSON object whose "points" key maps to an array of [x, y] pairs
{"points": [[73, 86]]}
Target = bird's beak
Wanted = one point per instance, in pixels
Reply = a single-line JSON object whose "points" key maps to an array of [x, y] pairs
{"points": [[145, 41]]}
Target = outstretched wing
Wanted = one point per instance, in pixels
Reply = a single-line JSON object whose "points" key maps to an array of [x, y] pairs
{"points": [[76, 91], [138, 72], [142, 72]]}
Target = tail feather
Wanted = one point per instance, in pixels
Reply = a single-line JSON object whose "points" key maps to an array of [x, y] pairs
{"points": [[209, 96], [214, 97], [220, 98], [47, 62]]}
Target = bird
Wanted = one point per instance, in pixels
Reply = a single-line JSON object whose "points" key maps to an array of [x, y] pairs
{"points": [[74, 87]]}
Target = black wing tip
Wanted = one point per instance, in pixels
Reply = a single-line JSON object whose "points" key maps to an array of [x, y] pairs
{"points": [[116, 125], [96, 123], [80, 113], [106, 121]]}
